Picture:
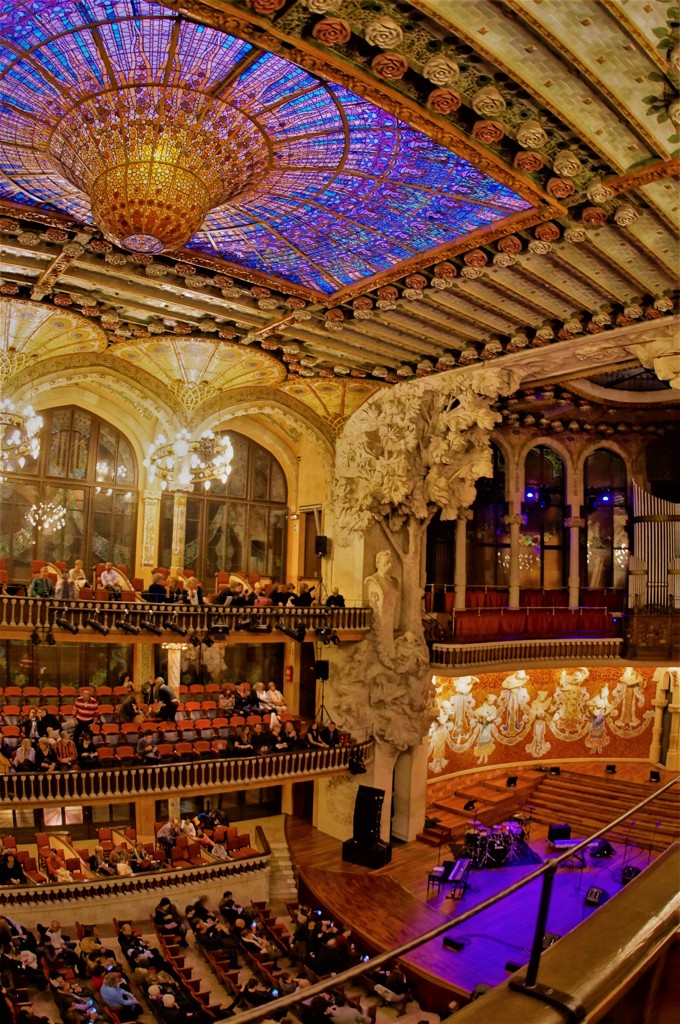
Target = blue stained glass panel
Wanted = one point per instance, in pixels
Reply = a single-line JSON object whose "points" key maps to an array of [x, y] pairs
{"points": [[346, 189]]}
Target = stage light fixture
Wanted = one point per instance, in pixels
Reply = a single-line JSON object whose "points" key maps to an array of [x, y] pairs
{"points": [[221, 629], [66, 624], [97, 626], [127, 627], [35, 638], [327, 636], [151, 627], [194, 640], [49, 639], [208, 640], [173, 626], [297, 633]]}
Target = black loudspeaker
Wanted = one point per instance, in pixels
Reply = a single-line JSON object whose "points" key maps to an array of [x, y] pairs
{"points": [[555, 770], [321, 669], [654, 776], [321, 545], [511, 781], [549, 939], [595, 896], [602, 848], [367, 812], [374, 855], [558, 832], [610, 769], [628, 874], [453, 944]]}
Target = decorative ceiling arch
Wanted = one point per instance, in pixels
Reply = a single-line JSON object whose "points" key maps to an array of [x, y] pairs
{"points": [[30, 331], [198, 369]]}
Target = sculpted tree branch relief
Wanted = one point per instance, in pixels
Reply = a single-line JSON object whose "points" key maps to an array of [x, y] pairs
{"points": [[405, 454]]}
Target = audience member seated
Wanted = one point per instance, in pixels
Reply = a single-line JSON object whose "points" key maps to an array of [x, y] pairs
{"points": [[66, 751], [65, 590], [174, 591], [170, 922], [45, 759], [128, 709], [193, 593], [147, 750], [330, 734], [87, 752], [156, 592], [11, 871], [41, 585], [24, 757], [274, 699], [98, 863], [242, 745], [314, 736], [226, 700], [111, 582], [115, 996], [335, 599], [77, 575]]}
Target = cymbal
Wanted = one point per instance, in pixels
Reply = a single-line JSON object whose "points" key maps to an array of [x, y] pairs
{"points": [[475, 822]]}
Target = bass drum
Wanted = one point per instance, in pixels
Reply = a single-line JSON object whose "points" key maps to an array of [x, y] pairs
{"points": [[475, 845], [498, 848]]}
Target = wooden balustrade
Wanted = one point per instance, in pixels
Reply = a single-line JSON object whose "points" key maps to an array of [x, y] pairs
{"points": [[521, 651], [26, 613], [26, 789]]}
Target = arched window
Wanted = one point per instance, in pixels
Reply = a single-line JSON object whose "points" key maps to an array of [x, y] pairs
{"points": [[542, 559], [87, 467], [606, 537], [239, 526], [488, 548]]}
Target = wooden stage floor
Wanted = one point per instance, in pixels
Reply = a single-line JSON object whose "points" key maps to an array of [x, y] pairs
{"points": [[390, 905]]}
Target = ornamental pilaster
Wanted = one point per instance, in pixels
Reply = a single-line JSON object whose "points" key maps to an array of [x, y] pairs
{"points": [[179, 525], [513, 521], [151, 504], [460, 576], [574, 524]]}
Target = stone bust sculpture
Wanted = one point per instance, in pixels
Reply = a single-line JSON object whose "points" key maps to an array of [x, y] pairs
{"points": [[382, 592]]}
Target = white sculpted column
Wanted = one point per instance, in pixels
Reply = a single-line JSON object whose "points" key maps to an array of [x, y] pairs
{"points": [[513, 521], [673, 754], [574, 525], [662, 677], [460, 572], [179, 525], [174, 665]]}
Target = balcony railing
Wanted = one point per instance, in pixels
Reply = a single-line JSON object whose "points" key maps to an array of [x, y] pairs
{"points": [[25, 613], [25, 789], [521, 651]]}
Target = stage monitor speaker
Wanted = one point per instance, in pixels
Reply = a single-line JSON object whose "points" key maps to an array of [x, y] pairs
{"points": [[594, 896], [555, 770], [512, 968], [511, 781], [558, 832], [610, 769], [321, 546], [654, 776], [629, 873], [479, 990], [602, 848], [549, 939], [321, 669], [452, 944], [367, 814]]}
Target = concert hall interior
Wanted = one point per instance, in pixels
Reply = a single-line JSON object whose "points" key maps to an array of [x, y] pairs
{"points": [[339, 510]]}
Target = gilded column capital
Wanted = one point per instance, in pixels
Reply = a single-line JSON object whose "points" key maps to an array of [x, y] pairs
{"points": [[575, 523], [514, 519]]}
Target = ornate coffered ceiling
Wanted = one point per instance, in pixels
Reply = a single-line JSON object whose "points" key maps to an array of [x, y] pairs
{"points": [[569, 105]]}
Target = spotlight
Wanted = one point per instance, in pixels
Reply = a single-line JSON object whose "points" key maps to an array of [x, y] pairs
{"points": [[98, 626], [127, 627], [531, 495], [194, 640], [208, 640], [327, 636], [35, 638], [298, 632], [222, 629], [64, 623], [471, 805], [174, 627], [606, 498], [151, 627], [49, 639], [243, 623]]}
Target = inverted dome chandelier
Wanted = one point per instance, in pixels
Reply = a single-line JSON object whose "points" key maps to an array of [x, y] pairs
{"points": [[155, 159], [182, 463], [19, 436]]}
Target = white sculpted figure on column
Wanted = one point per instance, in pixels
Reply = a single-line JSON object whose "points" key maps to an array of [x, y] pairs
{"points": [[382, 592]]}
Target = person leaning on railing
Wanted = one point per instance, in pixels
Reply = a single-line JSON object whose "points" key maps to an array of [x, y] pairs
{"points": [[41, 585]]}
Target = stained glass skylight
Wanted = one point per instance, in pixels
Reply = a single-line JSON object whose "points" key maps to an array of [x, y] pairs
{"points": [[328, 189]]}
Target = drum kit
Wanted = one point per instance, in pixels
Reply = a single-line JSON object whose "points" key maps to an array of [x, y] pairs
{"points": [[494, 846]]}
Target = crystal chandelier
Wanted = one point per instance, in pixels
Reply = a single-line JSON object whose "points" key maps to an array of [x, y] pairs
{"points": [[181, 463], [19, 436], [46, 517]]}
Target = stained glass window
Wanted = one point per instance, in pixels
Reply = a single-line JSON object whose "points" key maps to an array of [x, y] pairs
{"points": [[336, 189]]}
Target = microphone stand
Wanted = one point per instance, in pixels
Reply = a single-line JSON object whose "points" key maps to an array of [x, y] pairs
{"points": [[625, 850]]}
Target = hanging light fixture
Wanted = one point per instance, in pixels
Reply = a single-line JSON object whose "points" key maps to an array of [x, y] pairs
{"points": [[181, 463], [19, 436], [46, 517]]}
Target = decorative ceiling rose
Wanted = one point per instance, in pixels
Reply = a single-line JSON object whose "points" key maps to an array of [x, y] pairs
{"points": [[391, 66], [531, 135], [567, 164], [575, 234], [488, 102], [625, 215], [560, 188], [181, 463], [599, 193], [332, 31], [528, 161], [488, 132], [19, 436], [440, 70], [444, 101], [383, 32]]}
